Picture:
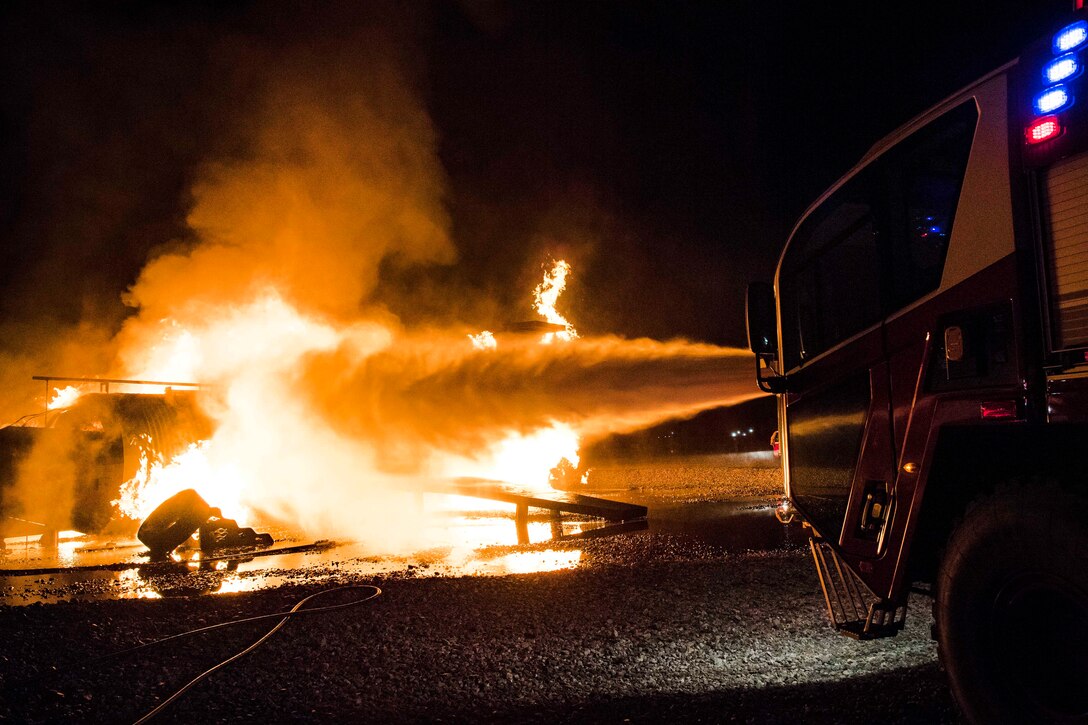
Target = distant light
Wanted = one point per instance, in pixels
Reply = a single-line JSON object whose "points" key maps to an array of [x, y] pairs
{"points": [[750, 430], [1053, 100], [1071, 36], [1043, 129], [1061, 68]]}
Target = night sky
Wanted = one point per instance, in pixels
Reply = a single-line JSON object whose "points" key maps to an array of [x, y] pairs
{"points": [[664, 148]]}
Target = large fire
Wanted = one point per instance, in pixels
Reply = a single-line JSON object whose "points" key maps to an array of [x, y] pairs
{"points": [[251, 348], [327, 410], [337, 426]]}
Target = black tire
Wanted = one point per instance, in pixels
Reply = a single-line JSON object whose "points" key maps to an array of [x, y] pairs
{"points": [[173, 521], [1012, 608]]}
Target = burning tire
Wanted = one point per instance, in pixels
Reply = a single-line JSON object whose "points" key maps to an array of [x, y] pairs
{"points": [[173, 521], [1012, 608]]}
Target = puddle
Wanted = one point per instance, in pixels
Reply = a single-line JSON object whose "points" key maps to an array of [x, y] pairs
{"points": [[486, 544], [89, 568], [736, 526]]}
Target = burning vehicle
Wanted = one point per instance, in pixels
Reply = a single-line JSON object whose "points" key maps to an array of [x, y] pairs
{"points": [[64, 468]]}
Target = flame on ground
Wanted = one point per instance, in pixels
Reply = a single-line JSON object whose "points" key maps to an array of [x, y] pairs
{"points": [[526, 459]]}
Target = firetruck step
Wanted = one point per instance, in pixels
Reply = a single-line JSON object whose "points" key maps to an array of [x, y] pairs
{"points": [[853, 609]]}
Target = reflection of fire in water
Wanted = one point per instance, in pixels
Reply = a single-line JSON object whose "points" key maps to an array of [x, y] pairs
{"points": [[136, 586], [526, 562]]}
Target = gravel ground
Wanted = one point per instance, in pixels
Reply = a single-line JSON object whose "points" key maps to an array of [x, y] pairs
{"points": [[652, 627], [692, 478]]}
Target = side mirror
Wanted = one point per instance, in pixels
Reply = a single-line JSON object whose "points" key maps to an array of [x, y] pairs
{"points": [[763, 336], [762, 325]]}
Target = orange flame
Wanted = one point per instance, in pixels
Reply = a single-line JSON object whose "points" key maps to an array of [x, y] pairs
{"points": [[545, 297], [63, 398], [484, 340], [156, 480], [333, 424], [269, 335]]}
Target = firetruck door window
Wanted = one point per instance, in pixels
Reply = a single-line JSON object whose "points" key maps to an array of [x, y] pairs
{"points": [[878, 243], [924, 176], [830, 280], [849, 275]]}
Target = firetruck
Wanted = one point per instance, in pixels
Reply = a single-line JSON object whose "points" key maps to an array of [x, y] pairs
{"points": [[926, 336]]}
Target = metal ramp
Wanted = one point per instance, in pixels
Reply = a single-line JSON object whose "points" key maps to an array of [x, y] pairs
{"points": [[623, 517]]}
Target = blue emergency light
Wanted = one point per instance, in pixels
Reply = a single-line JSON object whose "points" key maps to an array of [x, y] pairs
{"points": [[1071, 37], [1057, 97], [1053, 99], [1061, 68]]}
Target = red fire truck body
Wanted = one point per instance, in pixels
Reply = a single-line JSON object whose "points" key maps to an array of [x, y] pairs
{"points": [[927, 336]]}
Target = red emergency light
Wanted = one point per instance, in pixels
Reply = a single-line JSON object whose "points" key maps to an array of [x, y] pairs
{"points": [[1043, 129]]}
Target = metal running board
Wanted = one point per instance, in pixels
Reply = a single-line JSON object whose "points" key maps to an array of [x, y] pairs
{"points": [[854, 610]]}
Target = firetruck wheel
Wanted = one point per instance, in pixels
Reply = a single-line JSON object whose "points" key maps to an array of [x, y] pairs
{"points": [[1012, 608], [171, 523]]}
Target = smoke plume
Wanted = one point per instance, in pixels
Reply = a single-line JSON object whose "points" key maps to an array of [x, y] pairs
{"points": [[340, 174]]}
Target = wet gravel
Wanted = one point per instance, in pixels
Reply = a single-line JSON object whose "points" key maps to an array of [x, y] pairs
{"points": [[651, 627], [692, 478]]}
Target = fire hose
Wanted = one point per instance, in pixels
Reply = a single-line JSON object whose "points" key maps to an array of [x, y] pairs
{"points": [[296, 610]]}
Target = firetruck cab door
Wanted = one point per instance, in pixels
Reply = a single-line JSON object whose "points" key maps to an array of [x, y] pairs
{"points": [[871, 248], [837, 410]]}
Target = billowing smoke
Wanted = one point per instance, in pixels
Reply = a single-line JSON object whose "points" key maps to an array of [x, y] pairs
{"points": [[340, 174]]}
